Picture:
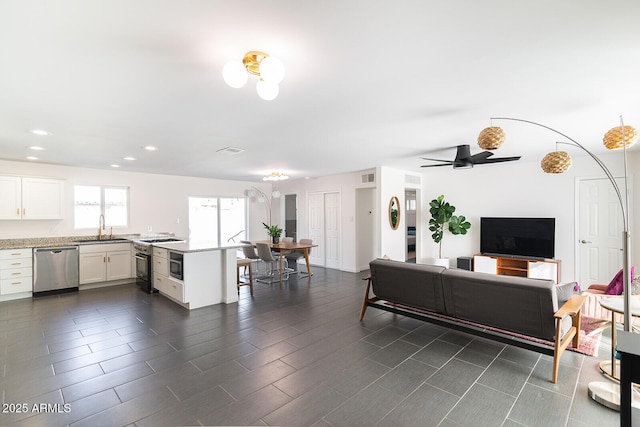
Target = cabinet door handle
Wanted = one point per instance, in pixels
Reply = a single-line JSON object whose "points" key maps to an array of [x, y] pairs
{"points": [[18, 211], [16, 283], [16, 274], [16, 263], [108, 259], [104, 259]]}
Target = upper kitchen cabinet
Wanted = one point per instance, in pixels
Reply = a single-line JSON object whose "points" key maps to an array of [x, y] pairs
{"points": [[31, 198]]}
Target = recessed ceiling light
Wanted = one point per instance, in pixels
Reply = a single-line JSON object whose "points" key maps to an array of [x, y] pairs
{"points": [[36, 148], [128, 158], [32, 158], [115, 166], [40, 132], [150, 148]]}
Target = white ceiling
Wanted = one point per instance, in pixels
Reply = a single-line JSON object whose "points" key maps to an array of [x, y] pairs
{"points": [[368, 82]]}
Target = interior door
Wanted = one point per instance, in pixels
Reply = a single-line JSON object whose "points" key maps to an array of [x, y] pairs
{"points": [[599, 231], [291, 216], [324, 229]]}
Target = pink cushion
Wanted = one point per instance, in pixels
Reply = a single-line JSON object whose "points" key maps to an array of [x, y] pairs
{"points": [[616, 286]]}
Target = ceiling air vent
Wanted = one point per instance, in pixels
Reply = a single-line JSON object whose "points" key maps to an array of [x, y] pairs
{"points": [[412, 179], [230, 150], [368, 177]]}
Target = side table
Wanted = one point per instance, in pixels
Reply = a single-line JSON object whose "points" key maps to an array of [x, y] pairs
{"points": [[608, 393]]}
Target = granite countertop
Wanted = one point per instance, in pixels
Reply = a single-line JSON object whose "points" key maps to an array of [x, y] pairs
{"points": [[42, 242]]}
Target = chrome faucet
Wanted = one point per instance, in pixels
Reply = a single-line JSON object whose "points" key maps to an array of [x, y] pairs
{"points": [[101, 226]]}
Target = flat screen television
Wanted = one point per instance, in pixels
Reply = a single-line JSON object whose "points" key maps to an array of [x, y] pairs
{"points": [[525, 237]]}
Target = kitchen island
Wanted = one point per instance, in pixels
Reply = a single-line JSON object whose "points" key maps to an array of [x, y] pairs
{"points": [[195, 274]]}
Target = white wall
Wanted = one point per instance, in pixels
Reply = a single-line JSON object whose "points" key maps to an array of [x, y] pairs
{"points": [[156, 201], [346, 185], [519, 189]]}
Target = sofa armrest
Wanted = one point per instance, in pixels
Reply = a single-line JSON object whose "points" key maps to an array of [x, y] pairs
{"points": [[571, 307]]}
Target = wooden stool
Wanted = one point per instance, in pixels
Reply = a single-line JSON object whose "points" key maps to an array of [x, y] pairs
{"points": [[245, 262]]}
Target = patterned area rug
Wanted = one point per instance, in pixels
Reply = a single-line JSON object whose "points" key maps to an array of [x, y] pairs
{"points": [[590, 331]]}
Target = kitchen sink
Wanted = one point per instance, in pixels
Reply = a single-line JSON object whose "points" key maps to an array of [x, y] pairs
{"points": [[107, 240]]}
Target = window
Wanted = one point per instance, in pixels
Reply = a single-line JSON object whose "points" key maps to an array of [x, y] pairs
{"points": [[217, 219], [90, 202]]}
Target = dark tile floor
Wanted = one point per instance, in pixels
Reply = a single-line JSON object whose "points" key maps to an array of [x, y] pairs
{"points": [[293, 355]]}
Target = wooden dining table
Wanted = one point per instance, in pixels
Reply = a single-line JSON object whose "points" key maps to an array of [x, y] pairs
{"points": [[284, 247]]}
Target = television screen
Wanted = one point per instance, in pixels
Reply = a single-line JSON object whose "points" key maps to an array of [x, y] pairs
{"points": [[526, 237]]}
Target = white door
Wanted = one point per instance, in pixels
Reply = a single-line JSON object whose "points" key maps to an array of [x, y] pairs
{"points": [[599, 231], [324, 229], [316, 228], [332, 229]]}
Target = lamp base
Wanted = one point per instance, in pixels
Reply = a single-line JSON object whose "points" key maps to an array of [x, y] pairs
{"points": [[607, 393]]}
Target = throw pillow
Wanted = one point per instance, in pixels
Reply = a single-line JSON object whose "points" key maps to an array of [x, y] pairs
{"points": [[564, 292], [616, 286]]}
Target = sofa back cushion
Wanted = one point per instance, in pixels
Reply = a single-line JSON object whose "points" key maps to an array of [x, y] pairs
{"points": [[516, 304], [414, 285]]}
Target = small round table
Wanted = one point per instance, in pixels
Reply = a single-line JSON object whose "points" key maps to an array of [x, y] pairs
{"points": [[608, 393], [616, 306]]}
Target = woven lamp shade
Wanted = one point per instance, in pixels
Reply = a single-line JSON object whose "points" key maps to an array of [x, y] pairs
{"points": [[613, 139], [556, 162], [491, 138]]}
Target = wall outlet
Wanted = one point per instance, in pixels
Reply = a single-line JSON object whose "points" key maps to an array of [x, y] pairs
{"points": [[177, 220]]}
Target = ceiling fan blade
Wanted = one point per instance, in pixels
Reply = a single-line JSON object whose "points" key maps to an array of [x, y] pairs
{"points": [[437, 160], [481, 157], [500, 160], [435, 166]]}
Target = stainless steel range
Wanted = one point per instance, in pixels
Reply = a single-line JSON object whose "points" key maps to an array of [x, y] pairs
{"points": [[144, 253]]}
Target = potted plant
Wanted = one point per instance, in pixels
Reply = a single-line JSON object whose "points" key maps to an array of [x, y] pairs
{"points": [[274, 231], [442, 218]]}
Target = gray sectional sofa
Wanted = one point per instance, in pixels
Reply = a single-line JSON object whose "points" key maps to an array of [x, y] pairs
{"points": [[496, 307]]}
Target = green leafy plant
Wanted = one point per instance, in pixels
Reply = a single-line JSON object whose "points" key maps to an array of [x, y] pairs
{"points": [[273, 230], [442, 218]]}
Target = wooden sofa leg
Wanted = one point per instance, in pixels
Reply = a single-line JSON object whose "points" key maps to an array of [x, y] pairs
{"points": [[366, 298]]}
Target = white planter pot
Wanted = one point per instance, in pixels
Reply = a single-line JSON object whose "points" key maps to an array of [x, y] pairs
{"points": [[442, 262]]}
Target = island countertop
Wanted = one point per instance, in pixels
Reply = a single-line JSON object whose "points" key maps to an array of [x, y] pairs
{"points": [[196, 246]]}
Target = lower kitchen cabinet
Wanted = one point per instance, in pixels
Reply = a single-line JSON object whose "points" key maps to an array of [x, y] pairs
{"points": [[105, 262], [16, 272]]}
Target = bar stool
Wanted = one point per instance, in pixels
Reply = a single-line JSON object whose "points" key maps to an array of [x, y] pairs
{"points": [[244, 263]]}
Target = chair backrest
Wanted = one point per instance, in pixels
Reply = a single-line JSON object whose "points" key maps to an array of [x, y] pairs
{"points": [[264, 252], [307, 242], [248, 251], [287, 239]]}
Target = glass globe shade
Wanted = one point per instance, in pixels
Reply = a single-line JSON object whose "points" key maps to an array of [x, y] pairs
{"points": [[251, 192], [234, 74], [272, 70], [267, 91], [276, 194]]}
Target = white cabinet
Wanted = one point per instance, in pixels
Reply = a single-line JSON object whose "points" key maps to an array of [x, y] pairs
{"points": [[105, 262], [161, 279], [31, 198], [521, 267], [16, 271]]}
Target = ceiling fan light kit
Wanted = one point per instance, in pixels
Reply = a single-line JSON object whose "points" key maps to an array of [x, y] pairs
{"points": [[491, 138]]}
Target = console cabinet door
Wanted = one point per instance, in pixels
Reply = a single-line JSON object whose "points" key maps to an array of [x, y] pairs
{"points": [[544, 270], [485, 264]]}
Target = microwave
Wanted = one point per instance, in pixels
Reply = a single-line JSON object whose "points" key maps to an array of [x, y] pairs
{"points": [[176, 265]]}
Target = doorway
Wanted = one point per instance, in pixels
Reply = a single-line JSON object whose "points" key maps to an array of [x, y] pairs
{"points": [[599, 230], [291, 216], [410, 219]]}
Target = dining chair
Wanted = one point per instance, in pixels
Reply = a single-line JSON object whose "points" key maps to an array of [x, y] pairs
{"points": [[294, 256], [249, 252], [264, 252]]}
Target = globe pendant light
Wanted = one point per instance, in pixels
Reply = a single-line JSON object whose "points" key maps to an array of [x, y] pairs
{"points": [[267, 90], [234, 74]]}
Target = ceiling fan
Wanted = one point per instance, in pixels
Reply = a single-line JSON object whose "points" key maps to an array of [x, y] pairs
{"points": [[464, 159]]}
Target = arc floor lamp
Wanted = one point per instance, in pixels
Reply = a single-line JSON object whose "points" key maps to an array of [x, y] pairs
{"points": [[557, 162]]}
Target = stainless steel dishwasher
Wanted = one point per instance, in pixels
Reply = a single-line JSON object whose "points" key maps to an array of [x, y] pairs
{"points": [[55, 270]]}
